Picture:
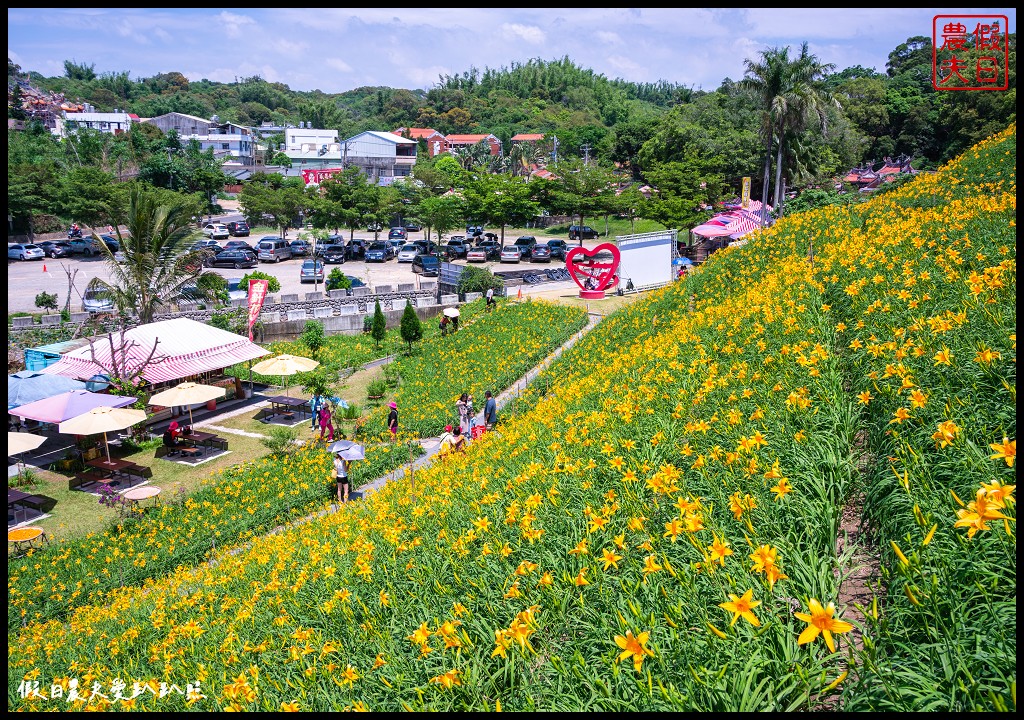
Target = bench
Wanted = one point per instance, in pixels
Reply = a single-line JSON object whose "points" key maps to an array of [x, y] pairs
{"points": [[42, 503], [140, 472], [83, 479], [219, 443], [191, 452]]}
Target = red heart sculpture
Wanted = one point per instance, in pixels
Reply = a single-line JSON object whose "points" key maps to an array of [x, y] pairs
{"points": [[588, 273]]}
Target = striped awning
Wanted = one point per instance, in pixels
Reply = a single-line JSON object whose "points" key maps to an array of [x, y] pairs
{"points": [[167, 350]]}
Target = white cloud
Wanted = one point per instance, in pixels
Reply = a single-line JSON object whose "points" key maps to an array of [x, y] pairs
{"points": [[527, 33], [235, 26], [608, 38], [337, 64]]}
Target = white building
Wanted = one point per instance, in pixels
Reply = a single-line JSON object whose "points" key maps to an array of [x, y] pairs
{"points": [[113, 123], [382, 156]]}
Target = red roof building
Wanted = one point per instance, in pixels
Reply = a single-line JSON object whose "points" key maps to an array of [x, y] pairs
{"points": [[456, 141], [528, 137], [436, 142]]}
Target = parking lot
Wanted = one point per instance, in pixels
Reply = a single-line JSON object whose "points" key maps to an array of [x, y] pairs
{"points": [[27, 279]]}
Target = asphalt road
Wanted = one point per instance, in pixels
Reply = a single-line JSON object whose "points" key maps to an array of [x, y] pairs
{"points": [[26, 279]]}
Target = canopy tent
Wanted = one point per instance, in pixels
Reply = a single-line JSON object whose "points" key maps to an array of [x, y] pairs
{"points": [[68, 405], [183, 348], [30, 385], [734, 224]]}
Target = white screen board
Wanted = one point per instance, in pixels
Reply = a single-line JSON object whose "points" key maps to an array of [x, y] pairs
{"points": [[646, 258]]}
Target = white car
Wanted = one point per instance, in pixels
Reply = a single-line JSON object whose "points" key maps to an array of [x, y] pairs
{"points": [[25, 252], [408, 252], [511, 254], [216, 231]]}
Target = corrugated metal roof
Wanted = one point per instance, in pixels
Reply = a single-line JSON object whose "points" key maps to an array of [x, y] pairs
{"points": [[59, 348]]}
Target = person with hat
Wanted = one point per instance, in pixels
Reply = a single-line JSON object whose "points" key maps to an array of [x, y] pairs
{"points": [[393, 420], [451, 441], [175, 431], [341, 475]]}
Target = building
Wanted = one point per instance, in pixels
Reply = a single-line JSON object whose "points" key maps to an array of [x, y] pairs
{"points": [[382, 157], [528, 137], [465, 141], [113, 123], [436, 142], [227, 140], [312, 149]]}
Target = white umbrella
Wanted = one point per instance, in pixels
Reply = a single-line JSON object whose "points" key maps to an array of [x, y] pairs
{"points": [[284, 365], [187, 393], [17, 443], [352, 452], [451, 312], [102, 420]]}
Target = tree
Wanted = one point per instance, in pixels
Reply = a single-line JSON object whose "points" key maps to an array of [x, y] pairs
{"points": [[337, 280], [157, 268], [411, 328], [280, 198], [442, 214], [46, 301], [379, 324], [478, 279], [500, 199], [579, 188], [313, 336]]}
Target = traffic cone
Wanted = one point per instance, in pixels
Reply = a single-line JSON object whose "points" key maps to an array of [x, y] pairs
{"points": [[519, 295], [44, 267]]}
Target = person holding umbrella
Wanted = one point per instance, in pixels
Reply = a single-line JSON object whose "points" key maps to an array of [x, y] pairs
{"points": [[341, 475]]}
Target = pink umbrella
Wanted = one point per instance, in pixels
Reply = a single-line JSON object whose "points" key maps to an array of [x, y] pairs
{"points": [[67, 405]]}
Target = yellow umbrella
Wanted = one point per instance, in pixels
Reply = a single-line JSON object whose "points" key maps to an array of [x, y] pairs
{"points": [[187, 393], [284, 365], [102, 420], [17, 443]]}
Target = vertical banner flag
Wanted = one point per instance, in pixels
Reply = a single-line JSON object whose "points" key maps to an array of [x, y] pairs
{"points": [[745, 198], [257, 293]]}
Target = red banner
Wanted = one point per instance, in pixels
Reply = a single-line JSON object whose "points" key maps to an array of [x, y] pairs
{"points": [[257, 293], [318, 176]]}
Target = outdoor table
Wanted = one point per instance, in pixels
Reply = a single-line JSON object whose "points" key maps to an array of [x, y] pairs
{"points": [[141, 493], [281, 404], [14, 499], [196, 438], [114, 466], [24, 538]]}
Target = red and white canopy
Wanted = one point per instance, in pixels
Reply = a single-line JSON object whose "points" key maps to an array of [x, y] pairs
{"points": [[183, 348]]}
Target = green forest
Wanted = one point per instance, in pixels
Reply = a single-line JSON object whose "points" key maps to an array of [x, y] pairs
{"points": [[693, 146]]}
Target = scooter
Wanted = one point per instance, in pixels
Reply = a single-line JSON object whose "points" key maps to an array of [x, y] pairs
{"points": [[74, 233]]}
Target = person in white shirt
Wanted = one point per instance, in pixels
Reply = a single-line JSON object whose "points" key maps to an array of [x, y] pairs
{"points": [[490, 298], [341, 473]]}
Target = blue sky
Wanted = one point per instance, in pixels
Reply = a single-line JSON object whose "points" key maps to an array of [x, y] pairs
{"points": [[335, 50]]}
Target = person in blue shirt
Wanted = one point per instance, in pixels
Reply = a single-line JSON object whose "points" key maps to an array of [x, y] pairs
{"points": [[314, 407], [490, 411]]}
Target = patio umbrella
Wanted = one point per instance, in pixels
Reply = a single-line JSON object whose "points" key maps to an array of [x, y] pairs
{"points": [[103, 420], [451, 312], [67, 405], [285, 365], [187, 393], [17, 443], [28, 386]]}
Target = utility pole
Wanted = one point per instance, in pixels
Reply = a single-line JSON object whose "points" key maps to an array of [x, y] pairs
{"points": [[554, 153], [585, 147]]}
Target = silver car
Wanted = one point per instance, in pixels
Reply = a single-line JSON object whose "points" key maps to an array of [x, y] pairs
{"points": [[27, 251], [408, 253]]}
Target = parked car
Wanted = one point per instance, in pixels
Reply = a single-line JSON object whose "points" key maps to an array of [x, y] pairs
{"points": [[334, 254], [408, 253], [510, 254], [397, 244], [525, 244], [540, 253], [582, 232], [356, 249], [412, 226], [397, 232], [273, 249], [216, 231], [210, 244], [374, 227], [488, 237], [558, 248], [473, 231], [55, 248], [238, 229], [426, 265], [27, 251], [311, 271], [379, 252], [232, 258], [237, 290], [484, 252], [300, 248], [238, 245], [458, 246], [89, 246], [96, 301]]}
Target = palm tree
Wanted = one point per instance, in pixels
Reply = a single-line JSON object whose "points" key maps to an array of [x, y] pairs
{"points": [[156, 266], [789, 92]]}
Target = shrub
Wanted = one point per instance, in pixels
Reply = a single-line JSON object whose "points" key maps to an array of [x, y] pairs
{"points": [[273, 286], [411, 327], [46, 301], [379, 325], [376, 388], [337, 280], [281, 440], [476, 279], [313, 336]]}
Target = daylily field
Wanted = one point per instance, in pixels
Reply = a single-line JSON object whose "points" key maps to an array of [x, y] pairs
{"points": [[661, 524]]}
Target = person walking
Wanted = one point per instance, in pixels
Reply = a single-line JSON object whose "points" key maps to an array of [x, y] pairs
{"points": [[314, 407], [489, 303], [462, 409], [326, 421], [393, 420], [490, 411], [341, 475]]}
